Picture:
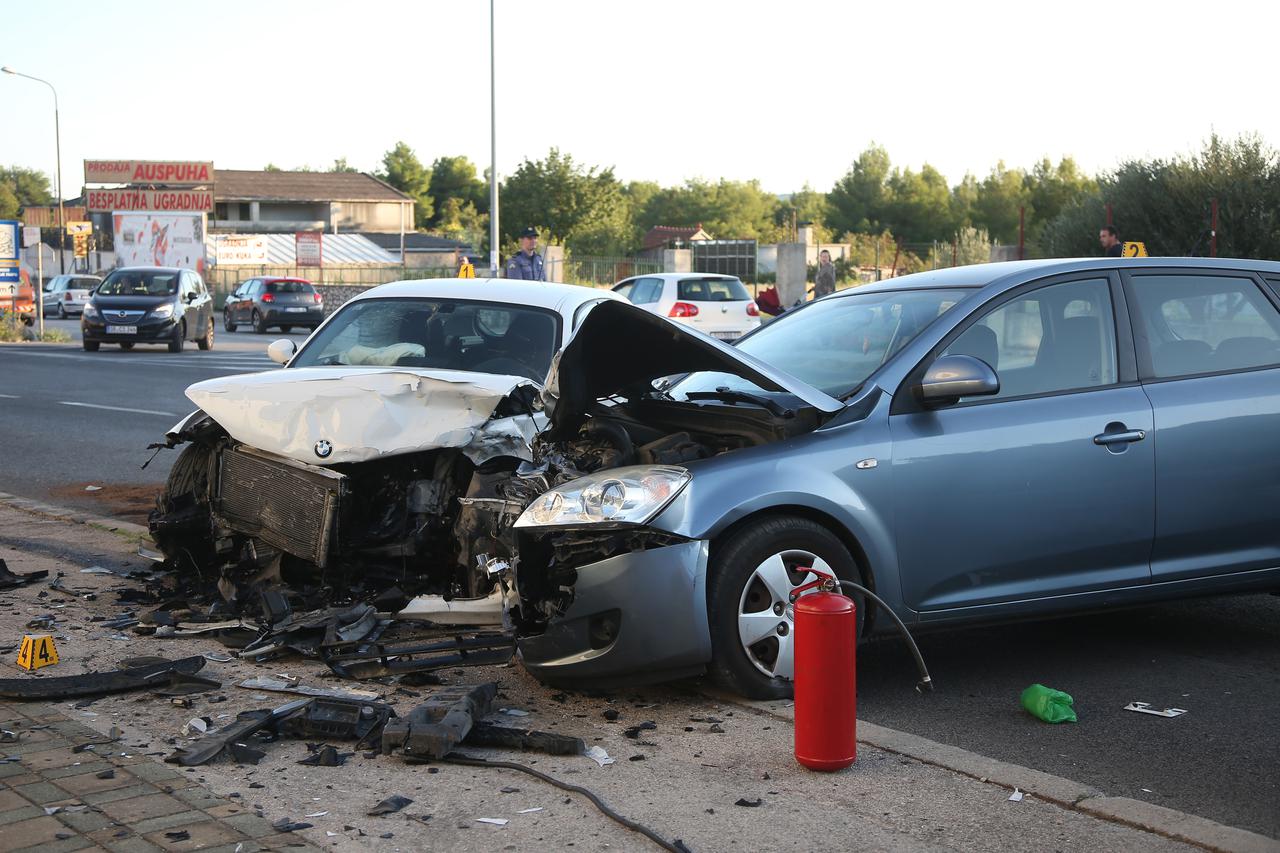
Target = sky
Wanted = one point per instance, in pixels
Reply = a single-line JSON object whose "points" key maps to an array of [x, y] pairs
{"points": [[785, 92]]}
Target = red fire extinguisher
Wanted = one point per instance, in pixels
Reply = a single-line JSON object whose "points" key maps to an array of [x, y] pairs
{"points": [[826, 707], [826, 684]]}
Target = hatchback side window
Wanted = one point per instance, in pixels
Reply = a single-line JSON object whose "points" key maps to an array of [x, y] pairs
{"points": [[624, 289], [647, 290], [1053, 339], [1206, 324]]}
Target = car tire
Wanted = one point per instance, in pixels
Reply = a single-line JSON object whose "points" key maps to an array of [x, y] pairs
{"points": [[62, 311], [259, 324], [286, 329], [90, 346], [227, 324], [206, 343], [126, 346], [179, 337], [749, 579]]}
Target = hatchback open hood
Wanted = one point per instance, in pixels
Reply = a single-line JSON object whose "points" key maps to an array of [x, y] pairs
{"points": [[621, 349], [330, 415]]}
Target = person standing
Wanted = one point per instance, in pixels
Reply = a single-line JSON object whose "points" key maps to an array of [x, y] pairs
{"points": [[526, 264], [824, 282], [1110, 240]]}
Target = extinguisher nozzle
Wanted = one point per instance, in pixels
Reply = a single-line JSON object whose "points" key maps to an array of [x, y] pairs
{"points": [[925, 685]]}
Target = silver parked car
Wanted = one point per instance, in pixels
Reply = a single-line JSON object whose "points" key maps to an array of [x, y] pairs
{"points": [[717, 305], [66, 295]]}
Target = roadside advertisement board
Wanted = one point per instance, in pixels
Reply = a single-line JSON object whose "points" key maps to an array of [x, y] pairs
{"points": [[9, 251], [240, 250], [162, 240], [158, 201], [308, 248], [168, 173]]}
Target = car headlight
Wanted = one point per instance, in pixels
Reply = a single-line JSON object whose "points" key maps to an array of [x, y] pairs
{"points": [[160, 312], [631, 495], [89, 310]]}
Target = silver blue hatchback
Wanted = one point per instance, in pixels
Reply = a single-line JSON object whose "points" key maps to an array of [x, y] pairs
{"points": [[986, 442]]}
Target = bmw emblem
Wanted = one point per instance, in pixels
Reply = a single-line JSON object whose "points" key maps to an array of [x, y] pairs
{"points": [[323, 448]]}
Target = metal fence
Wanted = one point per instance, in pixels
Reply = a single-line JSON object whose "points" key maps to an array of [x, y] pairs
{"points": [[604, 272]]}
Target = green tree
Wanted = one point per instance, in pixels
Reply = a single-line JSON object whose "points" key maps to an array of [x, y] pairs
{"points": [[8, 203], [968, 245], [1000, 196], [858, 199], [341, 165], [583, 208], [918, 205], [806, 206], [402, 169], [726, 209], [455, 178], [272, 167], [28, 186]]}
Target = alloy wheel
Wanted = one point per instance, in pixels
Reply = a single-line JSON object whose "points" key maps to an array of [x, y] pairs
{"points": [[766, 616]]}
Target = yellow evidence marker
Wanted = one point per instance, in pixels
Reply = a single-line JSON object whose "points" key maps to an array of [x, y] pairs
{"points": [[1135, 249], [37, 650]]}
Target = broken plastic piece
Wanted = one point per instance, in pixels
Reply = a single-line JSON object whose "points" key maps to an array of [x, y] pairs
{"points": [[326, 756], [375, 660], [97, 683], [391, 804], [455, 611], [1145, 708], [336, 718], [598, 755], [279, 685], [495, 821], [1016, 796], [488, 734], [435, 727], [9, 580], [1045, 703]]}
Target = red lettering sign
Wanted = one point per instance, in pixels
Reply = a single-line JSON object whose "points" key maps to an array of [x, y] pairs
{"points": [[193, 201], [154, 172]]}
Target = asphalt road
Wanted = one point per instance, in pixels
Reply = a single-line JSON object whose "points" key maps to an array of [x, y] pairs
{"points": [[71, 419]]}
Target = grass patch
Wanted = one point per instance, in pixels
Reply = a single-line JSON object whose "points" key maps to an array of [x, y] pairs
{"points": [[13, 329]]}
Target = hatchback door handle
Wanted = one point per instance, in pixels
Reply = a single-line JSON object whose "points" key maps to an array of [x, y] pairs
{"points": [[1124, 437]]}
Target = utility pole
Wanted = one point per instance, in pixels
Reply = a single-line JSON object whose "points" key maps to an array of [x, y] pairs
{"points": [[493, 151], [1213, 229], [57, 141]]}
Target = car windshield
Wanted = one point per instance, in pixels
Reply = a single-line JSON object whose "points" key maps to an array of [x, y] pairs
{"points": [[835, 344], [289, 287], [140, 283], [450, 334], [711, 290]]}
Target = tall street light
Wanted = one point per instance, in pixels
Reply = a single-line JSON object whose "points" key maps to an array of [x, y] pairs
{"points": [[493, 154], [57, 141]]}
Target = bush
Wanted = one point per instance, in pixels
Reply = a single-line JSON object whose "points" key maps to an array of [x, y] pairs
{"points": [[14, 329]]}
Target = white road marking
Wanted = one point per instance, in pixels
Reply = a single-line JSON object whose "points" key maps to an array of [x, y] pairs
{"points": [[118, 409], [10, 396]]}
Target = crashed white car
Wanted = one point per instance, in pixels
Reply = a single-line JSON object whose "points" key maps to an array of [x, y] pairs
{"points": [[412, 430]]}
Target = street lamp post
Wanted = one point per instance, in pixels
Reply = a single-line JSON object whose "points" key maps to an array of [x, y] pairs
{"points": [[62, 219], [493, 153]]}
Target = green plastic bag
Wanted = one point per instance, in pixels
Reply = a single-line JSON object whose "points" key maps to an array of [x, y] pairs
{"points": [[1045, 703]]}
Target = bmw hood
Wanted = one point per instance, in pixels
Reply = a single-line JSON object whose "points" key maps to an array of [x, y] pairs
{"points": [[621, 349], [331, 415]]}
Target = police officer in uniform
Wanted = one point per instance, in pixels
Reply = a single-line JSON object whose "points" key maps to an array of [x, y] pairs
{"points": [[526, 264]]}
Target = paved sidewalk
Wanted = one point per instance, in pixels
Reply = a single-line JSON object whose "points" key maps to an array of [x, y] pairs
{"points": [[56, 794]]}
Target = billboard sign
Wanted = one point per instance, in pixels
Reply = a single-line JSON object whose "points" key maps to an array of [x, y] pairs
{"points": [[153, 201], [161, 240], [169, 173], [9, 252], [240, 250], [308, 248], [30, 235]]}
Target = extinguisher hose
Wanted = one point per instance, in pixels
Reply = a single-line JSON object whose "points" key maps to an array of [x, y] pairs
{"points": [[925, 683]]}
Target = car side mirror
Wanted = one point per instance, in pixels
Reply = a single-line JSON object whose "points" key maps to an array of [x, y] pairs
{"points": [[281, 351], [191, 297], [954, 376]]}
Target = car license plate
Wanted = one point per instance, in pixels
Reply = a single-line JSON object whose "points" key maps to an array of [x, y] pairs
{"points": [[295, 310], [122, 330], [726, 336]]}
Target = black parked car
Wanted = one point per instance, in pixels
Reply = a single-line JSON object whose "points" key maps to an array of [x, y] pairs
{"points": [[149, 305], [266, 302]]}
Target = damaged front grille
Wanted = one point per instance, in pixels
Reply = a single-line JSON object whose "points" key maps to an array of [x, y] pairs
{"points": [[287, 504]]}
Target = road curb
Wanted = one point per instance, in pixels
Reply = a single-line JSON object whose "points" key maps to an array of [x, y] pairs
{"points": [[1172, 824], [127, 529]]}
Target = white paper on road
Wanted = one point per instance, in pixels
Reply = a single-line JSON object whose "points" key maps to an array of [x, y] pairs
{"points": [[496, 821], [365, 413], [598, 755], [1016, 796]]}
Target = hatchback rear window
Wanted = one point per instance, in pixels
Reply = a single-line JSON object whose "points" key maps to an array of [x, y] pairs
{"points": [[712, 290], [289, 287]]}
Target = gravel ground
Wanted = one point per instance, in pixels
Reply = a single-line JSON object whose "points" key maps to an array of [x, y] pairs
{"points": [[680, 778]]}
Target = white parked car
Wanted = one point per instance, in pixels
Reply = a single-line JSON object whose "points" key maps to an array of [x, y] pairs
{"points": [[65, 295], [718, 305]]}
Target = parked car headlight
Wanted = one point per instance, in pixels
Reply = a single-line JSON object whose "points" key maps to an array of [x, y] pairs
{"points": [[89, 311], [160, 312], [631, 495]]}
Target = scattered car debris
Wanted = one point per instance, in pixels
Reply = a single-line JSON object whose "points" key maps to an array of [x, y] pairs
{"points": [[9, 580], [196, 725], [178, 835], [1145, 708], [324, 755], [98, 683], [96, 570], [1045, 703], [180, 684], [390, 805], [598, 755], [552, 743], [280, 685], [377, 660], [218, 657], [634, 731], [1016, 796], [494, 821], [439, 724], [285, 824], [750, 804], [530, 811]]}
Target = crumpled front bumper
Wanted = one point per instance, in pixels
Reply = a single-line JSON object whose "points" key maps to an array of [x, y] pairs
{"points": [[658, 601]]}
